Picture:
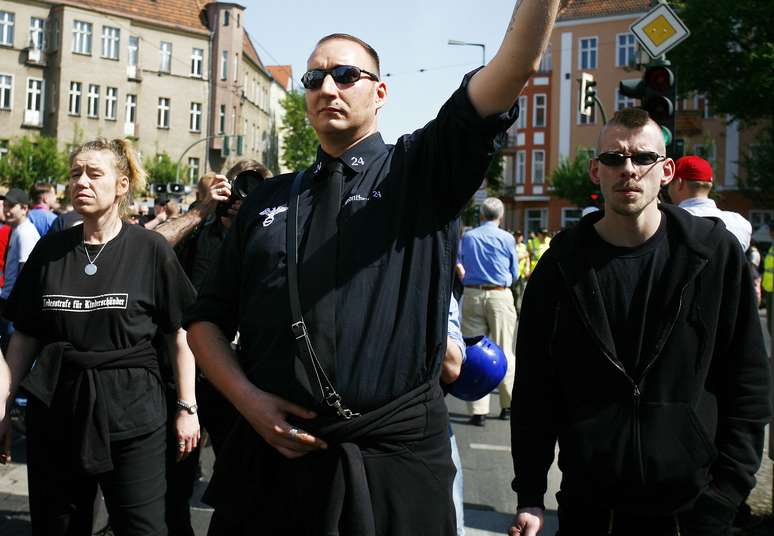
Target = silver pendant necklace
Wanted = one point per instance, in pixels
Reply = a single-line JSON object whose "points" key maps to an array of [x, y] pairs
{"points": [[91, 268]]}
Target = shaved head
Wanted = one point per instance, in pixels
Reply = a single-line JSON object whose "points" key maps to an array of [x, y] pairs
{"points": [[632, 119]]}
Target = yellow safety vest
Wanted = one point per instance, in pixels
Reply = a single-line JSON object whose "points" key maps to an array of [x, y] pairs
{"points": [[523, 255], [768, 271]]}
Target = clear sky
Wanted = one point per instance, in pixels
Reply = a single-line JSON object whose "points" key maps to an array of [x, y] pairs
{"points": [[409, 35]]}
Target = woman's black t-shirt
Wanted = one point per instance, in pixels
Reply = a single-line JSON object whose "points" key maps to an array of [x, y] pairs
{"points": [[139, 289]]}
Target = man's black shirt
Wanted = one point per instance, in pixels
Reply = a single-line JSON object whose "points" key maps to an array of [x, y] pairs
{"points": [[627, 278], [396, 244]]}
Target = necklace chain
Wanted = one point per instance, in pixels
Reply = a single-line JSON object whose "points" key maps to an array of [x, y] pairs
{"points": [[95, 256]]}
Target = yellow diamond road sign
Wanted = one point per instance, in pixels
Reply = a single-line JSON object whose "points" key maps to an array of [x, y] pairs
{"points": [[660, 30]]}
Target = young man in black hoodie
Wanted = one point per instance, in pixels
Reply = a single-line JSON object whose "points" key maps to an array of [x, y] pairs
{"points": [[640, 351]]}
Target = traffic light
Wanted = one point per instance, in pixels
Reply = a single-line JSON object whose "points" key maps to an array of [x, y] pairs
{"points": [[657, 92], [588, 90]]}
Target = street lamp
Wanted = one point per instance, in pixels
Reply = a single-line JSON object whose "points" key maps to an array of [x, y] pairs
{"points": [[465, 43]]}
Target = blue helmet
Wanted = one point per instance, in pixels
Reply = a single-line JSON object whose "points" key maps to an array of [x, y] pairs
{"points": [[484, 368]]}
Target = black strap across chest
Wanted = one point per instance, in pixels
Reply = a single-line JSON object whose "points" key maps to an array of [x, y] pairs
{"points": [[306, 352]]}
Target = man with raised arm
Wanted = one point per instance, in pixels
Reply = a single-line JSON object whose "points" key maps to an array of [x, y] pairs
{"points": [[345, 431]]}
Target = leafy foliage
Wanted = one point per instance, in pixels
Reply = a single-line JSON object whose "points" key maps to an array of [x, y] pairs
{"points": [[571, 181], [30, 161], [300, 139], [729, 58], [162, 169]]}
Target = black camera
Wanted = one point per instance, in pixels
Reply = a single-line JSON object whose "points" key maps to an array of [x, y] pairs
{"points": [[241, 186]]}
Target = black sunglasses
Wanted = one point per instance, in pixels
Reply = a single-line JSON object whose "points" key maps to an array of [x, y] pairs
{"points": [[645, 158], [343, 74]]}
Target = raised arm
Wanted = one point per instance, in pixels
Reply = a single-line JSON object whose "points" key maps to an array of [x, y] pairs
{"points": [[175, 230], [495, 88]]}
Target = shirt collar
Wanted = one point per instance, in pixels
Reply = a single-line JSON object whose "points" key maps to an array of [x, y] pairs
{"points": [[490, 224], [697, 202], [357, 158]]}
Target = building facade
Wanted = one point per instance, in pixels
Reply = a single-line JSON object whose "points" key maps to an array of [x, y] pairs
{"points": [[593, 36], [146, 70]]}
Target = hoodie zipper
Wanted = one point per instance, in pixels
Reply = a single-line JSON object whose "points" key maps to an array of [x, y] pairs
{"points": [[636, 393]]}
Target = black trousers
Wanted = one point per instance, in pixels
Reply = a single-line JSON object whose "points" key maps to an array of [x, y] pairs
{"points": [[62, 497], [410, 496], [704, 519]]}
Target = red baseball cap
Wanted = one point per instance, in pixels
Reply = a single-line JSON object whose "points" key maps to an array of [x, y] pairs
{"points": [[693, 168]]}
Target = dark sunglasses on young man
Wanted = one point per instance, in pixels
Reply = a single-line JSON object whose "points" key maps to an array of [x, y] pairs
{"points": [[343, 74], [645, 158]]}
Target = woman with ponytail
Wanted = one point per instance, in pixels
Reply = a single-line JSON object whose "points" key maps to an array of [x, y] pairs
{"points": [[88, 305]]}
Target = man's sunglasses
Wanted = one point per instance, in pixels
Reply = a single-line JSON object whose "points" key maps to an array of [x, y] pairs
{"points": [[343, 74], [645, 158]]}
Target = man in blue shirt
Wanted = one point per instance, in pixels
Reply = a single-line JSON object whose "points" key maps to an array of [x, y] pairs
{"points": [[490, 265]]}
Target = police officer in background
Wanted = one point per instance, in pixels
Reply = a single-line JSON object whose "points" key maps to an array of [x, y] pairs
{"points": [[346, 432]]}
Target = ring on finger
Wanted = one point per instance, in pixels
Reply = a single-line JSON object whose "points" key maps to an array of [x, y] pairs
{"points": [[293, 432], [181, 445]]}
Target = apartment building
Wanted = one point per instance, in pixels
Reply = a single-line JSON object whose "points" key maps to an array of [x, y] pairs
{"points": [[147, 70], [593, 36]]}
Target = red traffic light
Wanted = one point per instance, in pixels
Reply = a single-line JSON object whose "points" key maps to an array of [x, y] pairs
{"points": [[659, 78]]}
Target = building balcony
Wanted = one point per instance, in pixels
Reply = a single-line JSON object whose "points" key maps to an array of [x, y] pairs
{"points": [[134, 73], [36, 57], [32, 119]]}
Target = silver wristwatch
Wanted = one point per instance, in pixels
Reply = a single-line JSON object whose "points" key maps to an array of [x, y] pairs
{"points": [[190, 408]]}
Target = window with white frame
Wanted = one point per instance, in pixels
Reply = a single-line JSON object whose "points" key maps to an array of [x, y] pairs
{"points": [[587, 53], [131, 109], [34, 105], [6, 91], [521, 122], [92, 104], [7, 21], [74, 107], [701, 104], [197, 59], [760, 217], [111, 38], [224, 65], [226, 17], [538, 166], [111, 102], [236, 66], [166, 57], [37, 33], [535, 219], [134, 50], [570, 216], [521, 167], [621, 101], [82, 37], [545, 61], [193, 169], [625, 50], [195, 124], [222, 119], [162, 118], [539, 110]]}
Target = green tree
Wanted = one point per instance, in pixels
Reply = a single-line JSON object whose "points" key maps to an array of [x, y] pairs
{"points": [[730, 60], [300, 139], [494, 174], [162, 169], [32, 160], [571, 181]]}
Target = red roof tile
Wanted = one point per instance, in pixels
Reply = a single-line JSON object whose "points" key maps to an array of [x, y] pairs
{"points": [[282, 74], [583, 9], [249, 50], [183, 14]]}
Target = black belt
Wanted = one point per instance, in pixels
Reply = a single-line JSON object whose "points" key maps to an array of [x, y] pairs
{"points": [[486, 287]]}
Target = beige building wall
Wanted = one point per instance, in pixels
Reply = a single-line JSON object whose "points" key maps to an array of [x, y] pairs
{"points": [[14, 64], [255, 106], [145, 81], [276, 95]]}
